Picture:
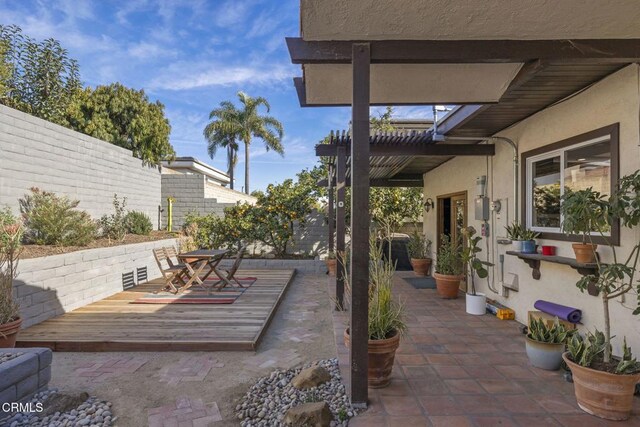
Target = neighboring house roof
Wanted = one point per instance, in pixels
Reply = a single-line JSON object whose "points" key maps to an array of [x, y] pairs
{"points": [[197, 166]]}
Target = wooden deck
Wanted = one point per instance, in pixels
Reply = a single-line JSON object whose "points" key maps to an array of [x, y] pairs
{"points": [[113, 324]]}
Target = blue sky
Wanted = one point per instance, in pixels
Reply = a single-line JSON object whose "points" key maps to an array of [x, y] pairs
{"points": [[191, 55]]}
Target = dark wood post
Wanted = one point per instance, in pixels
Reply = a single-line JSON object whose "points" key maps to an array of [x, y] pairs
{"points": [[361, 55], [341, 229], [331, 211]]}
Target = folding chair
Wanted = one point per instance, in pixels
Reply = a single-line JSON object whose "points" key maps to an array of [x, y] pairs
{"points": [[229, 274], [170, 273]]}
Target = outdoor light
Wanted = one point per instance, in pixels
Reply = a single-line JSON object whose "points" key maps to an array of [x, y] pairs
{"points": [[428, 204]]}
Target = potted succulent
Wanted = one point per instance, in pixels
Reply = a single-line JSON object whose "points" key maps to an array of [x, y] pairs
{"points": [[476, 302], [419, 249], [528, 238], [545, 345], [331, 262], [448, 273], [584, 212], [604, 384], [514, 233], [386, 318], [11, 231]]}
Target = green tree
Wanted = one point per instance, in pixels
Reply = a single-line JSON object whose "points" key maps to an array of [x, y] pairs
{"points": [[6, 71], [247, 123], [41, 80], [124, 117], [221, 132]]}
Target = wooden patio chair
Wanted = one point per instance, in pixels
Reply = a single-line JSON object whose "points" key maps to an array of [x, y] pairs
{"points": [[229, 274], [171, 272], [172, 255]]}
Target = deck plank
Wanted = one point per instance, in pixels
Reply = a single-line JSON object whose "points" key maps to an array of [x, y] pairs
{"points": [[114, 324]]}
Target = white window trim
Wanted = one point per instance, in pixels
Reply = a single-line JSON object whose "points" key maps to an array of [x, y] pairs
{"points": [[529, 174]]}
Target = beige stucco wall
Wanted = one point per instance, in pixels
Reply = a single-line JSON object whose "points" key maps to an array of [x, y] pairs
{"points": [[464, 19], [614, 99]]}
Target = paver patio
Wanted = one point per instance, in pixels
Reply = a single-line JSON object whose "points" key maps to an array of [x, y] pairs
{"points": [[454, 369]]}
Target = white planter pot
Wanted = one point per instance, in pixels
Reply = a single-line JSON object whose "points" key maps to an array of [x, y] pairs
{"points": [[476, 304], [517, 245]]}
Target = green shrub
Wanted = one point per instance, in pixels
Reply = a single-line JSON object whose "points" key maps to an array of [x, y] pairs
{"points": [[11, 232], [113, 226], [419, 247], [138, 223], [54, 220], [448, 260]]}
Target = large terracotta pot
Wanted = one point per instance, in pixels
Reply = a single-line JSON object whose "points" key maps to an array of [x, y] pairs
{"points": [[331, 266], [602, 394], [447, 285], [585, 253], [9, 333], [421, 266], [381, 356]]}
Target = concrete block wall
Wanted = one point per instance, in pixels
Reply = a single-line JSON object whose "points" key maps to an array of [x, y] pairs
{"points": [[23, 376], [37, 153], [306, 266], [50, 286], [313, 239]]}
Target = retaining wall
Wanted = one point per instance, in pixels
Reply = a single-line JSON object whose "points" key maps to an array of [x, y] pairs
{"points": [[38, 153], [23, 376], [309, 266], [50, 286]]}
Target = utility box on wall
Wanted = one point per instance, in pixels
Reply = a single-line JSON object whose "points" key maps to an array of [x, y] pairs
{"points": [[482, 208]]}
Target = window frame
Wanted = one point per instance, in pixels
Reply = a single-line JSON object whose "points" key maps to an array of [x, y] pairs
{"points": [[558, 149]]}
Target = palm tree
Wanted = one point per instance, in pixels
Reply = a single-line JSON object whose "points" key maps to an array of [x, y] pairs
{"points": [[219, 133], [245, 124]]}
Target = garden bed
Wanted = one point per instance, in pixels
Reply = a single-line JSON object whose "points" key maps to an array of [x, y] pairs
{"points": [[37, 251]]}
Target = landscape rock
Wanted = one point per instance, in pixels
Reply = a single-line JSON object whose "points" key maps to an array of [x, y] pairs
{"points": [[62, 402], [316, 414], [311, 377]]}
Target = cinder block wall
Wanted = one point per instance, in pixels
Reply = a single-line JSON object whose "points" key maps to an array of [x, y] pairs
{"points": [[37, 153], [49, 286]]}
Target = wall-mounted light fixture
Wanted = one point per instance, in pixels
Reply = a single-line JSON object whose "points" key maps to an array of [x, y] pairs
{"points": [[429, 204]]}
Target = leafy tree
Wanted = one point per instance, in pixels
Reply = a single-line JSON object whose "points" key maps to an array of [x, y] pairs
{"points": [[124, 117], [395, 205], [6, 71], [41, 80], [247, 123], [221, 133]]}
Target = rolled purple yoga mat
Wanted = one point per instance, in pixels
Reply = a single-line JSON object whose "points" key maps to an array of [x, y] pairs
{"points": [[563, 312]]}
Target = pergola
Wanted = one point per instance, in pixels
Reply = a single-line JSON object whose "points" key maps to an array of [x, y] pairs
{"points": [[384, 53]]}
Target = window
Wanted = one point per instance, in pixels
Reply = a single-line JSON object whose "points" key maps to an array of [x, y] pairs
{"points": [[588, 160]]}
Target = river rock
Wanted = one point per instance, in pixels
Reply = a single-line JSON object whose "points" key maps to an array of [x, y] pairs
{"points": [[62, 402]]}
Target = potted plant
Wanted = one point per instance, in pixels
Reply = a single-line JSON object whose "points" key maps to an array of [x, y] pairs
{"points": [[331, 262], [11, 231], [514, 233], [528, 238], [419, 249], [584, 212], [545, 345], [604, 384], [476, 302], [386, 318], [448, 273]]}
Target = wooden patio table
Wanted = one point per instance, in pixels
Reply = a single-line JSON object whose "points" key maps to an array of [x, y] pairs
{"points": [[197, 261]]}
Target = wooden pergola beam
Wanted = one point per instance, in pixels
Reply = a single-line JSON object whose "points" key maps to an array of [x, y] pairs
{"points": [[341, 229], [380, 182], [605, 51], [330, 150]]}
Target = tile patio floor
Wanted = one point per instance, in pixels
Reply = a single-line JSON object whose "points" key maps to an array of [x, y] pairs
{"points": [[454, 369]]}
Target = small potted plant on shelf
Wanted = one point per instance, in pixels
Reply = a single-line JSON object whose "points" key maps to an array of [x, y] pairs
{"points": [[528, 238], [448, 273], [386, 317], [604, 384], [11, 231], [419, 249], [476, 302], [514, 233], [585, 212], [545, 345], [331, 262]]}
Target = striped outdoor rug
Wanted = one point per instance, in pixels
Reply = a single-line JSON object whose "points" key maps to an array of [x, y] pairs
{"points": [[196, 295]]}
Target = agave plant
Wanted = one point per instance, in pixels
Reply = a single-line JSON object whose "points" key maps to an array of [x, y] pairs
{"points": [[556, 334]]}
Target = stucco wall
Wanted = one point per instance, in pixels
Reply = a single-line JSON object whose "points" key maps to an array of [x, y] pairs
{"points": [[37, 153], [49, 286], [614, 99]]}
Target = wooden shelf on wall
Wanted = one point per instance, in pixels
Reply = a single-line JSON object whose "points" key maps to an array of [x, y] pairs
{"points": [[533, 261]]}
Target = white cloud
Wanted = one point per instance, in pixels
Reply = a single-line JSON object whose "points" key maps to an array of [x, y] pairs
{"points": [[232, 13], [149, 50]]}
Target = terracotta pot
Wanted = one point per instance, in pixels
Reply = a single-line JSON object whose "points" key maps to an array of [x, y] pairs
{"points": [[421, 266], [602, 394], [9, 333], [381, 356], [447, 285], [331, 266], [585, 253]]}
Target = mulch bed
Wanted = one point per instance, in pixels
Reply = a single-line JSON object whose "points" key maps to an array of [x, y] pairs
{"points": [[37, 251]]}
